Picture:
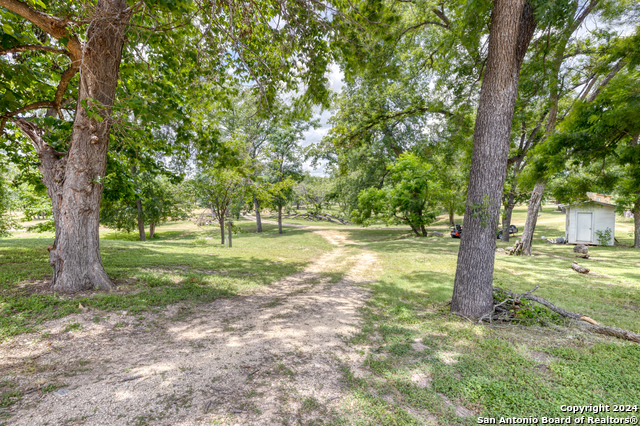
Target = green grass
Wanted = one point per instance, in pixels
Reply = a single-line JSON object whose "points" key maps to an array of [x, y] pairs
{"points": [[184, 263], [493, 371]]}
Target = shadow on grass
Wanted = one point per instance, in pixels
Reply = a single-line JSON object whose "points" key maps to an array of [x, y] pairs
{"points": [[152, 274]]}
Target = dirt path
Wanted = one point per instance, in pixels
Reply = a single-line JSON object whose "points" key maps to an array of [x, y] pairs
{"points": [[271, 357]]}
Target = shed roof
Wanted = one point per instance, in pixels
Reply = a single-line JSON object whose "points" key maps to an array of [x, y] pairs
{"points": [[587, 202]]}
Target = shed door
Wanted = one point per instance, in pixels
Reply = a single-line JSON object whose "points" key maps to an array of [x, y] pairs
{"points": [[584, 227]]}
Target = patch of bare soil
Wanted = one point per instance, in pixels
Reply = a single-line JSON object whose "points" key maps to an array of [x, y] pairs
{"points": [[270, 357]]}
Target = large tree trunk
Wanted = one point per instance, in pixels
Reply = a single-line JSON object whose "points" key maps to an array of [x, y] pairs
{"points": [[256, 206], [73, 180], [512, 27], [279, 218], [506, 219], [532, 217]]}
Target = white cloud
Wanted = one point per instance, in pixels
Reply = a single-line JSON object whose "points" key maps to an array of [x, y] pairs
{"points": [[336, 81]]}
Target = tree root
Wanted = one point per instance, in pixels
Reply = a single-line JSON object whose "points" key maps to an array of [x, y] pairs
{"points": [[507, 308]]}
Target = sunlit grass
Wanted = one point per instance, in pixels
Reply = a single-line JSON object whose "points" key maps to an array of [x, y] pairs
{"points": [[183, 263], [495, 371]]}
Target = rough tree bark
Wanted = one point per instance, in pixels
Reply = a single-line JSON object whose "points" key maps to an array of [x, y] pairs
{"points": [[256, 206], [152, 230], [140, 219], [511, 30], [73, 179], [279, 218], [532, 217]]}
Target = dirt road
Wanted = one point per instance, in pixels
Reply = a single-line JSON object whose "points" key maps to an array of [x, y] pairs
{"points": [[270, 357]]}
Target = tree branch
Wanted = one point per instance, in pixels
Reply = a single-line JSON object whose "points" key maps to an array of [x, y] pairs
{"points": [[32, 47], [57, 28], [52, 25]]}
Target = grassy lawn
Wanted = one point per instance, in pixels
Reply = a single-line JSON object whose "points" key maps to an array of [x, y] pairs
{"points": [[422, 364], [183, 263], [496, 370]]}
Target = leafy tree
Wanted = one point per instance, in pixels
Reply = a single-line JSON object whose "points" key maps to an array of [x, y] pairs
{"points": [[410, 195], [315, 192], [512, 26], [99, 45], [284, 162], [600, 143], [219, 188], [160, 201]]}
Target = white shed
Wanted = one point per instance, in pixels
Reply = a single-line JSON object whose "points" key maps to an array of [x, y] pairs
{"points": [[585, 220]]}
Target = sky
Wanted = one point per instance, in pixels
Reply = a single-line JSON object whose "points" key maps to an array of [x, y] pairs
{"points": [[312, 136]]}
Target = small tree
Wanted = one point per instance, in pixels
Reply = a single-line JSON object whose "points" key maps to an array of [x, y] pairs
{"points": [[284, 160], [219, 188], [410, 195], [159, 200]]}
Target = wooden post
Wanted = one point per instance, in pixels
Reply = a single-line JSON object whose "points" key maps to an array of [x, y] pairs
{"points": [[229, 239]]}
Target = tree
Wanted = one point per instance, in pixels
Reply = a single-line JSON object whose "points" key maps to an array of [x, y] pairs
{"points": [[557, 64], [151, 200], [606, 66], [284, 161], [410, 196], [219, 188], [93, 39], [599, 142], [71, 177], [512, 26]]}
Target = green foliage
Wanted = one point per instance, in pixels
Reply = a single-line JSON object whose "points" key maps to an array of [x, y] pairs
{"points": [[468, 363], [7, 203], [162, 201], [218, 189], [409, 195], [604, 237], [315, 192]]}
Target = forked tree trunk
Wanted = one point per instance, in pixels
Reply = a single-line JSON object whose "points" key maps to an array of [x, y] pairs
{"points": [[140, 220], [532, 217], [279, 218], [506, 219], [152, 230], [74, 179], [256, 206], [512, 26]]}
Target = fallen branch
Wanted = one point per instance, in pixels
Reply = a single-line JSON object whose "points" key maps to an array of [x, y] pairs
{"points": [[582, 320], [578, 268], [317, 217]]}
